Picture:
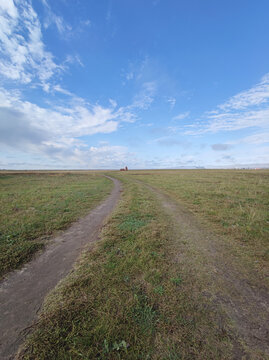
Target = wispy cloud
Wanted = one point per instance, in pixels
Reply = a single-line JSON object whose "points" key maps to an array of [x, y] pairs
{"points": [[169, 141], [24, 57], [86, 23], [129, 75], [258, 138], [145, 97], [248, 109], [181, 116], [54, 132], [257, 95], [59, 89], [74, 59], [139, 70], [171, 101], [52, 18], [221, 147]]}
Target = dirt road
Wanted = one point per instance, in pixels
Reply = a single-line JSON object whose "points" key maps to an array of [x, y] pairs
{"points": [[23, 292], [239, 293]]}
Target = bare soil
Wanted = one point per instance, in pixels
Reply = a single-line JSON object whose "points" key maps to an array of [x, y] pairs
{"points": [[22, 292], [240, 293]]}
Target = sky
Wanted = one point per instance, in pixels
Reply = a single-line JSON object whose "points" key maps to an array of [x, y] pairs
{"points": [[101, 84]]}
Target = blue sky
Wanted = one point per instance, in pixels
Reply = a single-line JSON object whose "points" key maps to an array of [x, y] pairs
{"points": [[148, 84]]}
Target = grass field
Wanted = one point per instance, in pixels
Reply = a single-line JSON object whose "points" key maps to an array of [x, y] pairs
{"points": [[144, 292], [234, 202], [130, 299], [34, 205]]}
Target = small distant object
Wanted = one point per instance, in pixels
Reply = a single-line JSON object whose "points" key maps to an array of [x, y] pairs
{"points": [[124, 169]]}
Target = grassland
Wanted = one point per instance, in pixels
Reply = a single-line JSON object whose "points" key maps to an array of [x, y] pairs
{"points": [[144, 292], [130, 298], [234, 202], [35, 205]]}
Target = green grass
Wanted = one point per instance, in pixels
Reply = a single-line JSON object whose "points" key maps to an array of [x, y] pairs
{"points": [[129, 298], [146, 293], [234, 202], [34, 205]]}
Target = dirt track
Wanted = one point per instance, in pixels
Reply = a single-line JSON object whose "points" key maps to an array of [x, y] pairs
{"points": [[239, 293], [244, 300], [23, 292]]}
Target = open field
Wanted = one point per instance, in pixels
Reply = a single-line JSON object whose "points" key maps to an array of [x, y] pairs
{"points": [[36, 204], [129, 299], [166, 281], [234, 202]]}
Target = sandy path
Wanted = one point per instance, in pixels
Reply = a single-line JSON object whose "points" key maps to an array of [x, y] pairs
{"points": [[241, 294], [23, 292]]}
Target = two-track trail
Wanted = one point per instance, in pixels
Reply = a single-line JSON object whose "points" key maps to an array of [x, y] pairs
{"points": [[23, 291], [238, 293]]}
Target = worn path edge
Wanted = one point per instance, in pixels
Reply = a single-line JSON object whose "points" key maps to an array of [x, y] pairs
{"points": [[22, 292], [245, 303]]}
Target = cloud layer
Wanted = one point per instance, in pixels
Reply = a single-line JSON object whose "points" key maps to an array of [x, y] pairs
{"points": [[247, 109], [23, 54], [55, 132], [43, 123]]}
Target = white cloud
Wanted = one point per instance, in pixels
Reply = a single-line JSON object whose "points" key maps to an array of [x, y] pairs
{"points": [[257, 95], [257, 155], [248, 109], [95, 157], [86, 22], [236, 121], [145, 97], [9, 7], [181, 116], [59, 89], [259, 138], [54, 132], [129, 75], [52, 18], [73, 59], [140, 70], [23, 57], [171, 101], [110, 157]]}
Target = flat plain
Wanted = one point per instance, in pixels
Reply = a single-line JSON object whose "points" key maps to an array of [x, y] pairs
{"points": [[180, 272], [234, 202], [36, 204]]}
